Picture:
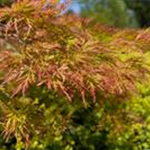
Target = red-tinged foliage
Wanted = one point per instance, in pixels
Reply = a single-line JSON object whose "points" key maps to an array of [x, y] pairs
{"points": [[63, 54]]}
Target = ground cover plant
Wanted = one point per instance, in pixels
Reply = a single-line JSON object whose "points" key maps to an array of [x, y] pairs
{"points": [[69, 84]]}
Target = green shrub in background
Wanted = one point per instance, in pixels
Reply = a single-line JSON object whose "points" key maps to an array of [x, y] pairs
{"points": [[110, 12], [6, 2], [141, 9], [67, 84]]}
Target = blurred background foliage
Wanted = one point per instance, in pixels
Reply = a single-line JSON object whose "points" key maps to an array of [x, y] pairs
{"points": [[120, 13], [111, 12], [108, 125]]}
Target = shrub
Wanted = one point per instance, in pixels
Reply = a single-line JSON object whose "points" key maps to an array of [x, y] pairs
{"points": [[64, 80]]}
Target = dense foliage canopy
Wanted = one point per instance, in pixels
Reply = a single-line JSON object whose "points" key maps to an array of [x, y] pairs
{"points": [[71, 85]]}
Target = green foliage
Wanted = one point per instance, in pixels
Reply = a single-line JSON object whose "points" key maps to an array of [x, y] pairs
{"points": [[65, 82], [111, 12], [141, 9]]}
